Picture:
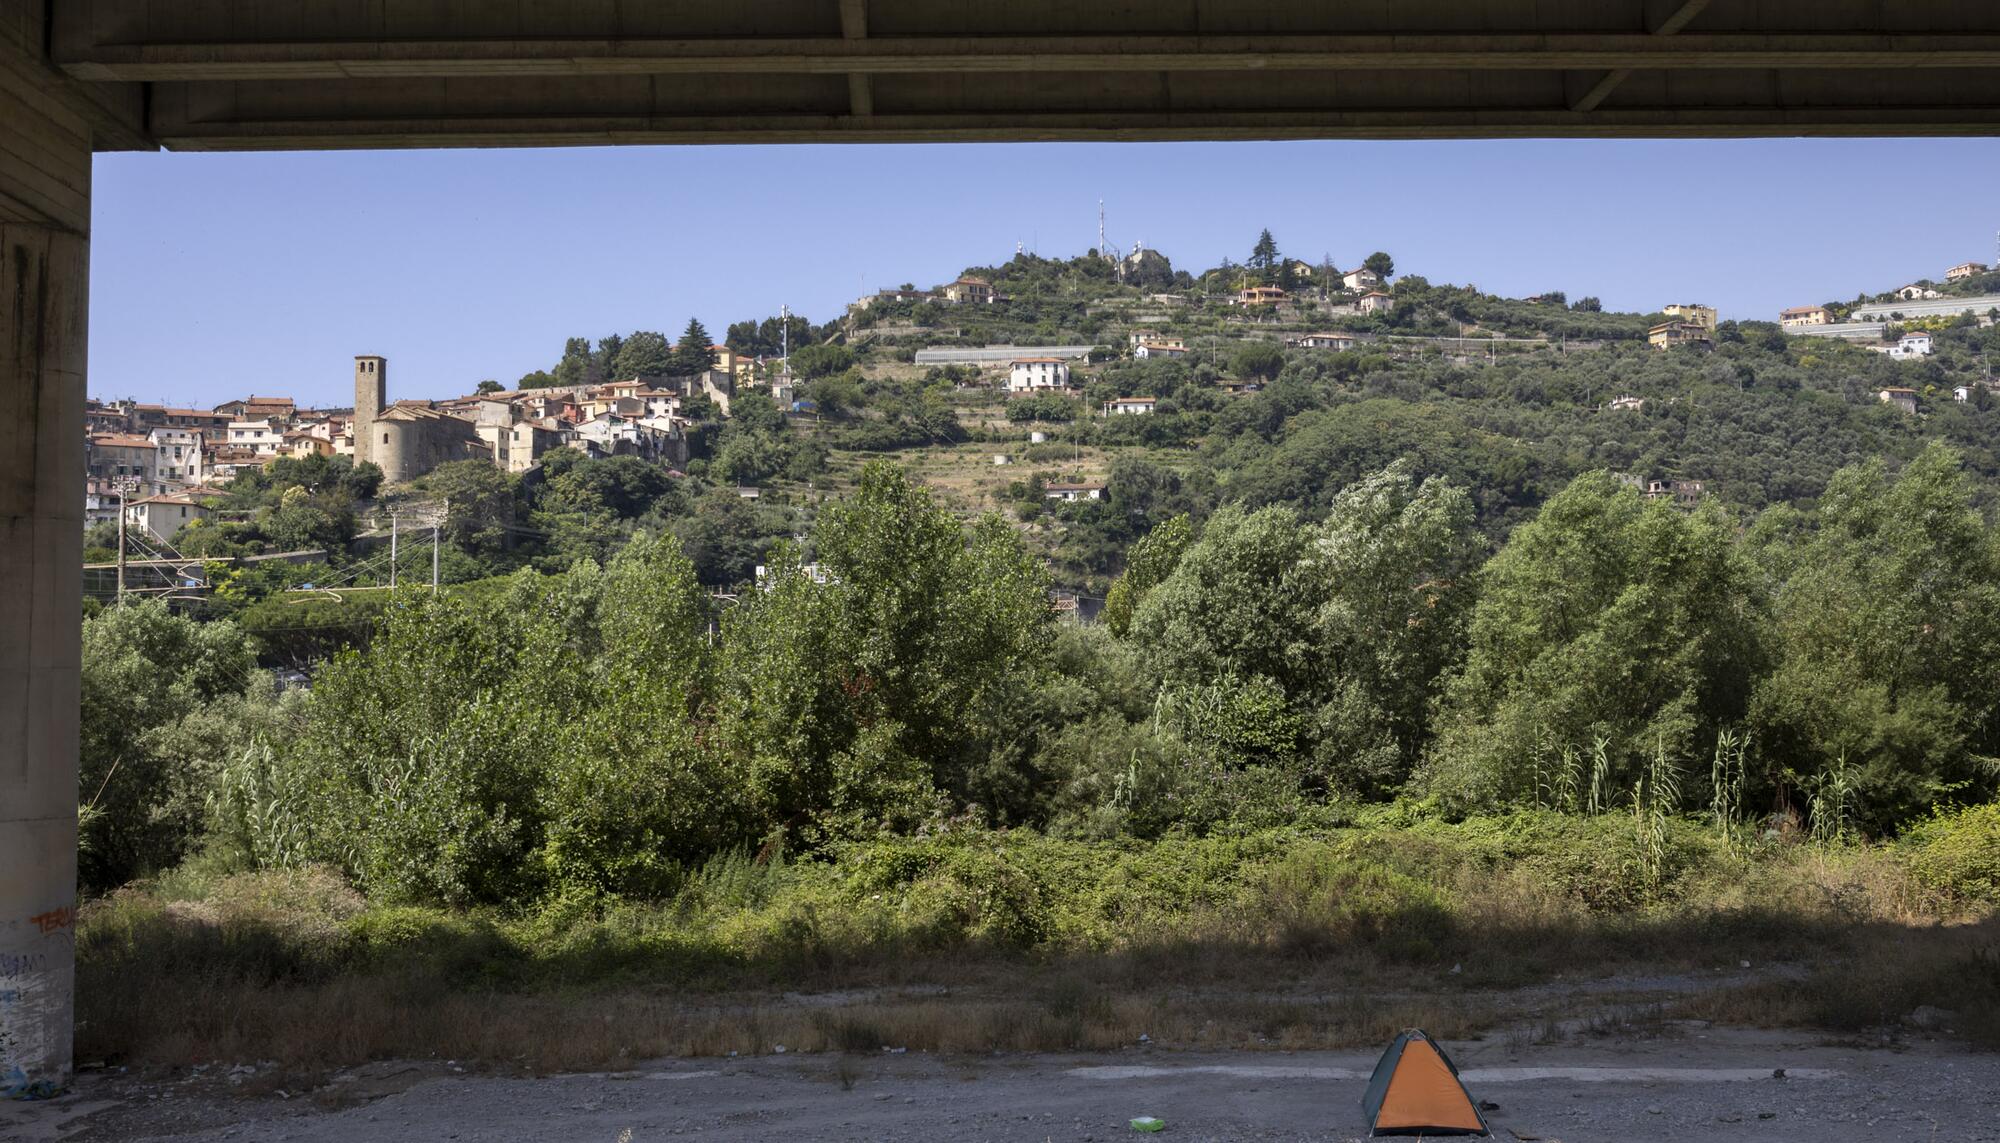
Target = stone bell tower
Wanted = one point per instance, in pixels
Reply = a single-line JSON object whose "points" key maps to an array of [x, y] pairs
{"points": [[371, 392]]}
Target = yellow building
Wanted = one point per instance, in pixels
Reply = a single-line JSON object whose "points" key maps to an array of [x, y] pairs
{"points": [[1804, 315], [1668, 334], [1700, 315]]}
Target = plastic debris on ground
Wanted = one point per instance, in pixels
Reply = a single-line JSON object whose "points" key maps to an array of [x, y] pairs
{"points": [[1149, 1123]]}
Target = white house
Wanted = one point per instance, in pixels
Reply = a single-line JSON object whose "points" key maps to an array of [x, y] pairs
{"points": [[1961, 393], [162, 516], [1335, 341], [1171, 347], [1916, 343], [1375, 300], [1362, 279], [1029, 374], [1122, 406], [1633, 404], [1071, 493], [1916, 293], [260, 436]]}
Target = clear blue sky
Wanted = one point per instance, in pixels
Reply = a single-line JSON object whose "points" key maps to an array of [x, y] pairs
{"points": [[219, 275]]}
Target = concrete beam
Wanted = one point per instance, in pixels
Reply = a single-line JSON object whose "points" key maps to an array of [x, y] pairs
{"points": [[854, 28], [861, 54], [1663, 18], [614, 129]]}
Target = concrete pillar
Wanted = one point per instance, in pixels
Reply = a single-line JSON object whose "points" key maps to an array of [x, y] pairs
{"points": [[44, 302]]}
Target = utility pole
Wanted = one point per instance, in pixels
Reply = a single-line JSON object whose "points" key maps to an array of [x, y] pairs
{"points": [[392, 551], [436, 522], [121, 547]]}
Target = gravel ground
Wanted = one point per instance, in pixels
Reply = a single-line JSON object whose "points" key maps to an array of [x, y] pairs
{"points": [[1690, 1082]]}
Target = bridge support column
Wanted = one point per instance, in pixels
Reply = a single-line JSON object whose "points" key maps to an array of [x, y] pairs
{"points": [[44, 302]]}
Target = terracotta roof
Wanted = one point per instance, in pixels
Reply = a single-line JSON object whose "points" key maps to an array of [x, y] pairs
{"points": [[1036, 360], [169, 499], [120, 440]]}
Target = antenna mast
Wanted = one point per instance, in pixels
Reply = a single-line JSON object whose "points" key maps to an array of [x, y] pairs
{"points": [[785, 340]]}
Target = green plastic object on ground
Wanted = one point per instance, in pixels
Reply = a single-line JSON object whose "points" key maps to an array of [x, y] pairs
{"points": [[1149, 1123]]}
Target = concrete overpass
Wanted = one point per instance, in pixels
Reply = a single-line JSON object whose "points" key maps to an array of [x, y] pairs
{"points": [[78, 76]]}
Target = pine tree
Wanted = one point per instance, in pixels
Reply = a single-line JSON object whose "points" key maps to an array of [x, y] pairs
{"points": [[1264, 255], [691, 352]]}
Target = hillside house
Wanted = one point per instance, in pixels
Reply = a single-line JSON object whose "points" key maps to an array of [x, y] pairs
{"points": [[1686, 493], [1964, 270], [1916, 293], [1962, 393], [1034, 374], [177, 456], [1362, 279], [1129, 406], [162, 516], [1804, 315], [1375, 301], [1669, 334], [299, 445], [259, 409], [1628, 404], [128, 459], [971, 292], [1166, 347], [1916, 343], [1071, 493], [881, 296], [1692, 312], [260, 436], [1334, 341], [1260, 296], [1904, 400]]}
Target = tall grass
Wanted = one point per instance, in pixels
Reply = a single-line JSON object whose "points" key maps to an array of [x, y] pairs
{"points": [[1034, 942]]}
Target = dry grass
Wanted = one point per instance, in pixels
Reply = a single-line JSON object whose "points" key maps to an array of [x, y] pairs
{"points": [[1032, 945]]}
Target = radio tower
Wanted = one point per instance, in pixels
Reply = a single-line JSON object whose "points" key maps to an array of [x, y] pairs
{"points": [[1102, 252]]}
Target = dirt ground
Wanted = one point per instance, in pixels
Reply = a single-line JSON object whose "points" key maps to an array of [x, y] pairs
{"points": [[1673, 1081]]}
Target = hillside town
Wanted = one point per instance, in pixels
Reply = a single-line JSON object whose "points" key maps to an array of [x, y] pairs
{"points": [[167, 466]]}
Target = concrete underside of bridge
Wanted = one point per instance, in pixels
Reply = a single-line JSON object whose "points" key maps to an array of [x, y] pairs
{"points": [[78, 76]]}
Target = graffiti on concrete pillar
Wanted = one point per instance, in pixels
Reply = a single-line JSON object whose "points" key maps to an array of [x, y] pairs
{"points": [[37, 964]]}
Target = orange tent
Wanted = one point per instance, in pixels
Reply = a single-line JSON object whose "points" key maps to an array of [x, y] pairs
{"points": [[1415, 1091]]}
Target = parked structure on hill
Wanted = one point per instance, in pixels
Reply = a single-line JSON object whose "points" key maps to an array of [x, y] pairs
{"points": [[1964, 270], [1804, 315]]}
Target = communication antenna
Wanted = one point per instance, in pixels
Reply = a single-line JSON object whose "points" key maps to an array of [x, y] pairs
{"points": [[1103, 251], [785, 340]]}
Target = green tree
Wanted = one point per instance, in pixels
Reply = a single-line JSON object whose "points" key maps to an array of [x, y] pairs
{"points": [[853, 700], [814, 361], [1885, 624], [1264, 255], [1260, 360], [1607, 617], [1381, 263], [149, 678], [644, 354], [1147, 565], [487, 386], [692, 353]]}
